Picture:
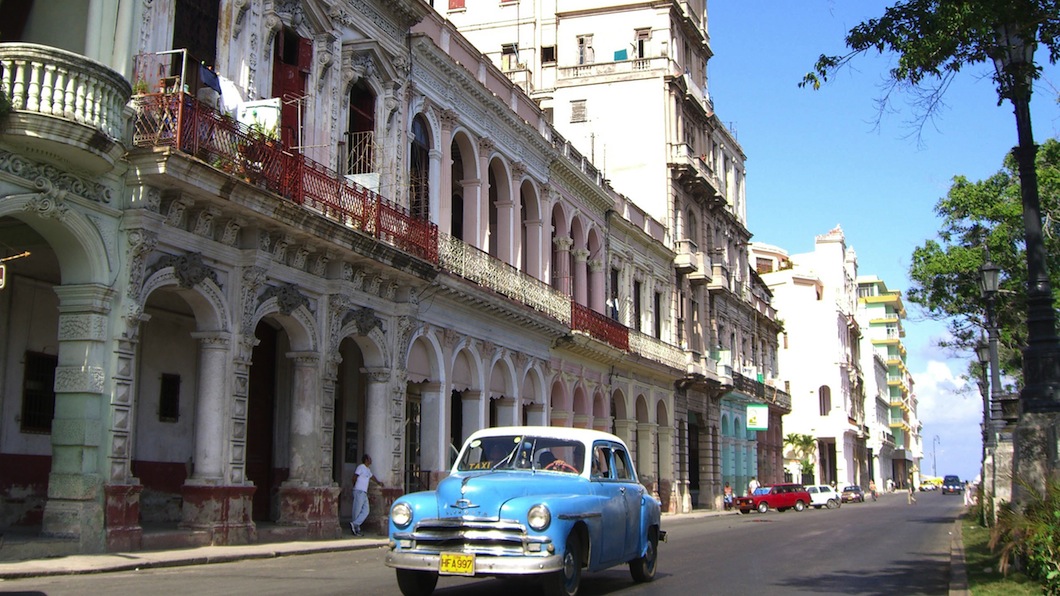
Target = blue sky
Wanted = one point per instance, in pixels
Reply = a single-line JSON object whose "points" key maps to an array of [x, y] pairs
{"points": [[817, 159]]}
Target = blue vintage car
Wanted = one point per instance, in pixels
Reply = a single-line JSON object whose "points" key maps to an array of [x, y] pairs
{"points": [[546, 502]]}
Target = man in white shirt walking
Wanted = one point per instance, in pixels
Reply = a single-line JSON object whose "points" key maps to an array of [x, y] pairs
{"points": [[361, 476]]}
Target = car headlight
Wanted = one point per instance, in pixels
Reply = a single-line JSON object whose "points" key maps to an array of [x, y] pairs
{"points": [[539, 517], [401, 515]]}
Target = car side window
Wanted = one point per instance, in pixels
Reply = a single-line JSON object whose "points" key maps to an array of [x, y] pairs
{"points": [[623, 470], [601, 464]]}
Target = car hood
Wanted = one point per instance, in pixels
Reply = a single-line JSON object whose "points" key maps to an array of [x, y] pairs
{"points": [[484, 494]]}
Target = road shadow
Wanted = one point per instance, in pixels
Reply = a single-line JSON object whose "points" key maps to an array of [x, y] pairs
{"points": [[904, 577]]}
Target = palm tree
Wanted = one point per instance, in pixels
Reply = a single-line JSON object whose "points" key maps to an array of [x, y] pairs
{"points": [[803, 447]]}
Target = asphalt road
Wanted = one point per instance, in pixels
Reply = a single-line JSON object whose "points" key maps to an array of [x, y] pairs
{"points": [[881, 548]]}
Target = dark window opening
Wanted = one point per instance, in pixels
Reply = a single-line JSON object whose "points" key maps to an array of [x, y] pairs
{"points": [[419, 170], [38, 392], [169, 398], [548, 54]]}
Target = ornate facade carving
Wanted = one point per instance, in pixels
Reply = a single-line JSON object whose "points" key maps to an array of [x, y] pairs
{"points": [[288, 297], [189, 269]]}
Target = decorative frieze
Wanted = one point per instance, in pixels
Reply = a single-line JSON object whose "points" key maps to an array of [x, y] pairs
{"points": [[82, 327], [48, 178], [79, 379]]}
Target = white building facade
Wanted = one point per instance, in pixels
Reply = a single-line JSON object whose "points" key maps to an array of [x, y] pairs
{"points": [[266, 238], [626, 83], [816, 295]]}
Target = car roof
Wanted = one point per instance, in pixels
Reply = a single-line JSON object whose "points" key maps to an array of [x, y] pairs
{"points": [[584, 435]]}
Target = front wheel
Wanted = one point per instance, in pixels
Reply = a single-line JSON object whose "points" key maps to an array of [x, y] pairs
{"points": [[416, 583], [763, 507], [799, 505], [832, 504], [566, 581], [643, 568]]}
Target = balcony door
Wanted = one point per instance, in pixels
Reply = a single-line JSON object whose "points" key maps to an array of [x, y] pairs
{"points": [[293, 56]]}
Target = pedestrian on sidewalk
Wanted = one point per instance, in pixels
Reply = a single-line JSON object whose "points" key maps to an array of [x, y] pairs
{"points": [[752, 486], [361, 477]]}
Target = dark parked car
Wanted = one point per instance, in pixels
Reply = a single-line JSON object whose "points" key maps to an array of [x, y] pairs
{"points": [[853, 494], [779, 496], [951, 485]]}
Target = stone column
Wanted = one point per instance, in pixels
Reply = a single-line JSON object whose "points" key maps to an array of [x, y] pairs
{"points": [[378, 441], [74, 508], [561, 265], [580, 276], [474, 412], [506, 411], [210, 407], [485, 147], [624, 429], [307, 499], [445, 175], [597, 293], [535, 414], [533, 256], [645, 450], [434, 442]]}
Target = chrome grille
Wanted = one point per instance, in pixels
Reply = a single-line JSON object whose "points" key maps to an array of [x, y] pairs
{"points": [[472, 536]]}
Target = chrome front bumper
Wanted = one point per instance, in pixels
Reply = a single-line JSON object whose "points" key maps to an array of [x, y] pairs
{"points": [[484, 564]]}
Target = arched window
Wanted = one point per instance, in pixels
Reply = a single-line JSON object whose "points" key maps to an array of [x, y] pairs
{"points": [[824, 396], [419, 170]]}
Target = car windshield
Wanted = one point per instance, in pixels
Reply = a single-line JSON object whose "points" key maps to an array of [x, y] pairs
{"points": [[520, 452], [852, 489], [951, 480]]}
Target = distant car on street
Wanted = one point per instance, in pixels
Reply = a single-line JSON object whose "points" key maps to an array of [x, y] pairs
{"points": [[823, 495], [538, 502], [853, 494], [779, 496], [951, 485]]}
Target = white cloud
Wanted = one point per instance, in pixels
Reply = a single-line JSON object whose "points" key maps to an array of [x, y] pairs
{"points": [[946, 398], [951, 409]]}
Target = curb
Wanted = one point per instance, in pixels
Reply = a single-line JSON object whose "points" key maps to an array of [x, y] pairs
{"points": [[106, 563], [958, 568]]}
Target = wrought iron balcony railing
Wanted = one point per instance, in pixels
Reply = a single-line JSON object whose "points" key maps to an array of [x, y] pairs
{"points": [[178, 120], [599, 326]]}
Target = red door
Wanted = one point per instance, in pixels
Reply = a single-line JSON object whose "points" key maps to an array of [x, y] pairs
{"points": [[261, 400], [294, 55]]}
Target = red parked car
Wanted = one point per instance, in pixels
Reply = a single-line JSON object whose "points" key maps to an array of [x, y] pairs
{"points": [[779, 496]]}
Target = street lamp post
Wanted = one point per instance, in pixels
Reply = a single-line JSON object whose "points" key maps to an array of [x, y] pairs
{"points": [[934, 462], [986, 478], [989, 282], [1040, 398]]}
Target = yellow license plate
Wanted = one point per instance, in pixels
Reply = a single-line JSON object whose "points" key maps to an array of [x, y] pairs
{"points": [[456, 564]]}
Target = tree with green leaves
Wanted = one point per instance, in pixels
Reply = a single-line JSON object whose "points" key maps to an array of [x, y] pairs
{"points": [[935, 39], [979, 220]]}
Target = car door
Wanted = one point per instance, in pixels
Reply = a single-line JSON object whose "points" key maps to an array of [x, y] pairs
{"points": [[632, 492], [609, 545]]}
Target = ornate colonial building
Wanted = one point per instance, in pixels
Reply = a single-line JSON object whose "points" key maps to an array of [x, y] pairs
{"points": [[268, 237]]}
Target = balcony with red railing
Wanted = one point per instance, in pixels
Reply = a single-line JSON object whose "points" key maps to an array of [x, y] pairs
{"points": [[599, 327], [178, 120]]}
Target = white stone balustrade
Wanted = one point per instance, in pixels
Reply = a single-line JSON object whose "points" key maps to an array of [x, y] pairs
{"points": [[54, 82]]}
